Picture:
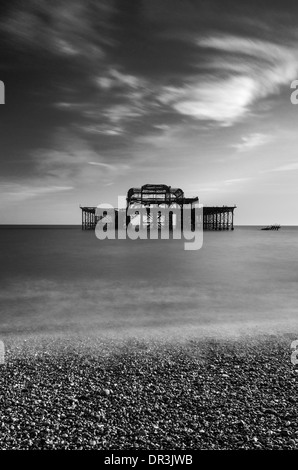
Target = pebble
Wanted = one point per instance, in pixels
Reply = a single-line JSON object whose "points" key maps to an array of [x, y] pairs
{"points": [[168, 397]]}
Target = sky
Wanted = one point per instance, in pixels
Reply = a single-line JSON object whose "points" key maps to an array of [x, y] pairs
{"points": [[105, 95]]}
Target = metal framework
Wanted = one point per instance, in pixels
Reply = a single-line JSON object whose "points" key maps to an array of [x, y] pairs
{"points": [[89, 219], [156, 195], [218, 218]]}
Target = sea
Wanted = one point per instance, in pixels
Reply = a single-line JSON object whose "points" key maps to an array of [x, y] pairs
{"points": [[60, 280]]}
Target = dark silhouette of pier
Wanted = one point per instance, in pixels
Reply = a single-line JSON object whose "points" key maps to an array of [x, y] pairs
{"points": [[271, 227], [159, 195]]}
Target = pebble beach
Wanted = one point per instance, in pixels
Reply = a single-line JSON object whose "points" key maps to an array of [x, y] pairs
{"points": [[137, 394]]}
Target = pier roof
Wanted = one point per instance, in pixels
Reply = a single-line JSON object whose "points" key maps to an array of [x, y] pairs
{"points": [[157, 194]]}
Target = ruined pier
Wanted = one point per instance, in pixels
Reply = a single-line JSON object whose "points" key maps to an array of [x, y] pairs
{"points": [[152, 195]]}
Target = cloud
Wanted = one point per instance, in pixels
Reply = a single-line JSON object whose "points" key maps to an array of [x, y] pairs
{"points": [[102, 129], [251, 141], [217, 186], [119, 112], [236, 180], [108, 166], [240, 71], [65, 27], [201, 189], [244, 46], [72, 161], [269, 64], [20, 191], [114, 78], [289, 167], [211, 99], [104, 165]]}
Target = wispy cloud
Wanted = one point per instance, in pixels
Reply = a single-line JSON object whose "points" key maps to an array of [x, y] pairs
{"points": [[252, 141], [21, 191], [200, 190], [72, 160], [117, 113], [114, 78], [108, 166], [236, 180], [289, 167], [222, 101], [217, 186], [270, 65], [241, 71], [102, 129], [63, 28]]}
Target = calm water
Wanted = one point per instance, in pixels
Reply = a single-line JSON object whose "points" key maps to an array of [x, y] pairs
{"points": [[65, 281]]}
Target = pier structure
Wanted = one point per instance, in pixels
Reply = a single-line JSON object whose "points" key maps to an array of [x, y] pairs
{"points": [[271, 227], [218, 218], [89, 218], [160, 196]]}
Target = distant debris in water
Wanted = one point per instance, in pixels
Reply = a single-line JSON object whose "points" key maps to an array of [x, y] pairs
{"points": [[271, 227]]}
